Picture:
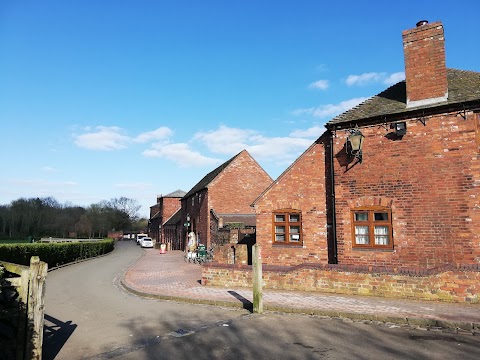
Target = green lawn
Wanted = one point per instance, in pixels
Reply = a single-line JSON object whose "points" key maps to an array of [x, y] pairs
{"points": [[14, 241]]}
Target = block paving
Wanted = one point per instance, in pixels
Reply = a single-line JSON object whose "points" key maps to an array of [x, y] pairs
{"points": [[168, 276]]}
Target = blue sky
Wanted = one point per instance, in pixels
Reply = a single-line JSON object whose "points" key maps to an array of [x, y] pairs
{"points": [[102, 99]]}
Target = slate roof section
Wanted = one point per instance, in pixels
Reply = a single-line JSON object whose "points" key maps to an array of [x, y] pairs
{"points": [[156, 216], [246, 219], [176, 194], [207, 179], [463, 87]]}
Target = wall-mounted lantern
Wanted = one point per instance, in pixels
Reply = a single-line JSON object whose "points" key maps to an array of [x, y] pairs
{"points": [[355, 143], [400, 128]]}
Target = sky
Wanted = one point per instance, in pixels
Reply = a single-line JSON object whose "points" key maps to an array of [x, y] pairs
{"points": [[102, 99]]}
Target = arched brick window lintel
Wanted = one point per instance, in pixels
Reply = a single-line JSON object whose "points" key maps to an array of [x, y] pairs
{"points": [[371, 201]]}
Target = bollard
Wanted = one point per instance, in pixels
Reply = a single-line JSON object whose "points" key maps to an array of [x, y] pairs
{"points": [[163, 248]]}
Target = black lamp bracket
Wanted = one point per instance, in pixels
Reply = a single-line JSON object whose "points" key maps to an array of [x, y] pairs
{"points": [[383, 126], [423, 119], [463, 113]]}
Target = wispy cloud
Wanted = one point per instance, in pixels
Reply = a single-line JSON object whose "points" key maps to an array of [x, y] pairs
{"points": [[374, 77], [330, 110], [320, 84], [279, 150], [321, 68], [312, 132], [394, 78], [229, 141], [102, 138], [180, 153], [155, 135], [226, 140], [48, 169]]}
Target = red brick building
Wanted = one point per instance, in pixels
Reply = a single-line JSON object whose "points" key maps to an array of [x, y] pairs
{"points": [[160, 213], [398, 216], [223, 194]]}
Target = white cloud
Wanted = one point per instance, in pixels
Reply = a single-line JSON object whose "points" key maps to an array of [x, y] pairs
{"points": [[321, 68], [374, 77], [102, 138], [226, 140], [330, 110], [230, 141], [158, 134], [280, 150], [313, 132], [394, 78], [179, 153], [48, 169], [364, 79], [320, 84]]}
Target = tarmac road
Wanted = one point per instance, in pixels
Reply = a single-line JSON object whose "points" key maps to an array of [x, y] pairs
{"points": [[89, 316]]}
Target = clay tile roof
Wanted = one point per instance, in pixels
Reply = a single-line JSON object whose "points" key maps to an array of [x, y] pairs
{"points": [[463, 87]]}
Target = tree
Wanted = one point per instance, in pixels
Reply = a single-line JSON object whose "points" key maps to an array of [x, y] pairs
{"points": [[128, 206], [47, 217]]}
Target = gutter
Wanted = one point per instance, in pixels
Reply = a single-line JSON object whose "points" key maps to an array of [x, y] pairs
{"points": [[334, 216]]}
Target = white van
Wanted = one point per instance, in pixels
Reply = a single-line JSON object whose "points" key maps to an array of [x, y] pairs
{"points": [[140, 237]]}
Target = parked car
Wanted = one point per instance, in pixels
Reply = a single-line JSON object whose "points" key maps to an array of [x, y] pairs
{"points": [[146, 242]]}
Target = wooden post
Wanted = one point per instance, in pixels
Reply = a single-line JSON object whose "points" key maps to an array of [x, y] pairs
{"points": [[36, 308], [257, 279]]}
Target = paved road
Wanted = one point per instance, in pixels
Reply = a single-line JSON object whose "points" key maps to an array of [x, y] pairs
{"points": [[89, 316], [166, 276], [86, 300]]}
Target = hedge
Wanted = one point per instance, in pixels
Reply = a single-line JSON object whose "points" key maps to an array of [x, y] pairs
{"points": [[54, 254]]}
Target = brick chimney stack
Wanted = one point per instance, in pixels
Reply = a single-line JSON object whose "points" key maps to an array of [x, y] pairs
{"points": [[425, 68]]}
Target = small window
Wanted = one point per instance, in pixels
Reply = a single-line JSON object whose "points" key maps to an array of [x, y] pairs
{"points": [[287, 227], [372, 228]]}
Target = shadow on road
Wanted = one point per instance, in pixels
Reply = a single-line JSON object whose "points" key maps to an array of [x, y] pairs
{"points": [[55, 335], [247, 304]]}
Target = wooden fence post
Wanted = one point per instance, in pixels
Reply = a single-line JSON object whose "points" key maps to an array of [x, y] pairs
{"points": [[257, 279], [36, 308]]}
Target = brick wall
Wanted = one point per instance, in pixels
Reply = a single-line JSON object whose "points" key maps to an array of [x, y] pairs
{"points": [[235, 189], [169, 207], [231, 254], [430, 179], [302, 188], [197, 207], [454, 285]]}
